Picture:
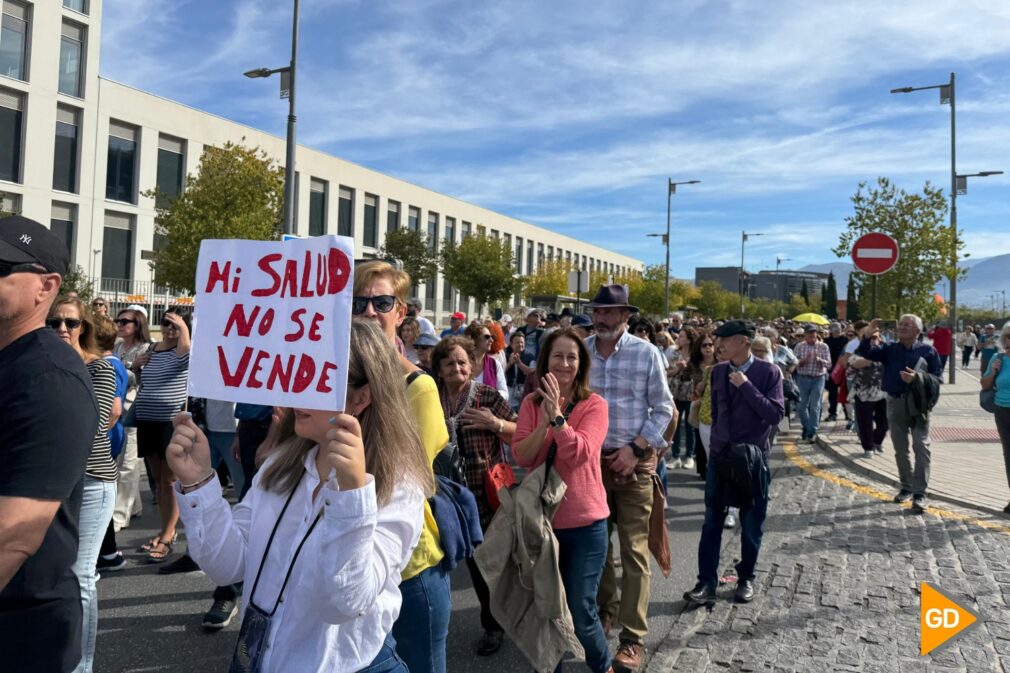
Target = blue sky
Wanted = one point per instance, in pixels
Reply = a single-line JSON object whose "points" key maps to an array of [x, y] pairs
{"points": [[571, 115]]}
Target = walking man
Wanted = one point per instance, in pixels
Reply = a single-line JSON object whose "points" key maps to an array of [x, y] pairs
{"points": [[630, 374], [747, 405], [836, 342], [911, 370], [50, 418], [815, 358]]}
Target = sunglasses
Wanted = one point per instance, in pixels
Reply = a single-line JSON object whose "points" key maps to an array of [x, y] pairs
{"points": [[167, 323], [98, 304], [382, 303], [123, 322], [7, 268], [486, 337], [641, 330], [55, 323], [423, 348]]}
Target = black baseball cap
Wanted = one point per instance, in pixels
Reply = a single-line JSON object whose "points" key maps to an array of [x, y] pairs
{"points": [[734, 327], [26, 241]]}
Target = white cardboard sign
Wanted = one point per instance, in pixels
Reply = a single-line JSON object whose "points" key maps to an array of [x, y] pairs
{"points": [[272, 322]]}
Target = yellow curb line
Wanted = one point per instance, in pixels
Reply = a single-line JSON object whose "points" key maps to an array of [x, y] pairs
{"points": [[799, 461]]}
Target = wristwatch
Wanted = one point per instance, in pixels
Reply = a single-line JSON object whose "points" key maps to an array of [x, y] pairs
{"points": [[638, 450], [558, 421]]}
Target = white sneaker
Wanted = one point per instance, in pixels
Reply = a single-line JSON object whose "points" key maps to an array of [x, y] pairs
{"points": [[674, 464], [731, 516], [688, 464]]}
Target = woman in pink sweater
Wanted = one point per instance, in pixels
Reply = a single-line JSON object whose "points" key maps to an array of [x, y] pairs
{"points": [[564, 412]]}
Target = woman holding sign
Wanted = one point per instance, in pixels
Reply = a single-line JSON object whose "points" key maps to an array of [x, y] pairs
{"points": [[479, 420], [322, 536]]}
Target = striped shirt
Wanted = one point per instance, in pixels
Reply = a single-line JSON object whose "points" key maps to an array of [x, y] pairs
{"points": [[101, 466], [633, 382], [162, 386], [822, 358]]}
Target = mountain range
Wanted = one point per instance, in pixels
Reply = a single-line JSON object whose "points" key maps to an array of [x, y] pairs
{"points": [[986, 276]]}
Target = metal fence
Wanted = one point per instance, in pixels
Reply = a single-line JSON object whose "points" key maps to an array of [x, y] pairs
{"points": [[155, 298]]}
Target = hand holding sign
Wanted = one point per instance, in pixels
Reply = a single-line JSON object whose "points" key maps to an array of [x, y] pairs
{"points": [[345, 451], [188, 452]]}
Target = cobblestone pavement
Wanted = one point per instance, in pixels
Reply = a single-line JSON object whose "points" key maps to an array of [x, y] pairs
{"points": [[966, 466], [838, 582]]}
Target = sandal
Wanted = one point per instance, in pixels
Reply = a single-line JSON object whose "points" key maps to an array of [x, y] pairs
{"points": [[150, 544], [155, 555]]}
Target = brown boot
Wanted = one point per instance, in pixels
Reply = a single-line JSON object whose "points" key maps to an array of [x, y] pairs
{"points": [[628, 658], [607, 622]]}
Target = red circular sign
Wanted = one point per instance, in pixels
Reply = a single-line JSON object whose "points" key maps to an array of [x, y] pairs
{"points": [[875, 253]]}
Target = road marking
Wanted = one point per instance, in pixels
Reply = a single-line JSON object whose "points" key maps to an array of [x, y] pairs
{"points": [[875, 253], [799, 461]]}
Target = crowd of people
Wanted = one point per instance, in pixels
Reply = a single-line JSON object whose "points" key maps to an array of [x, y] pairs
{"points": [[338, 530]]}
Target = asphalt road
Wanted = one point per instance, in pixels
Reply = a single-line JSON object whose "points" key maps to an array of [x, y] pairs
{"points": [[152, 622]]}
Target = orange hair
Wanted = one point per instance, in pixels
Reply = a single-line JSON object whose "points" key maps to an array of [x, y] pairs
{"points": [[497, 337]]}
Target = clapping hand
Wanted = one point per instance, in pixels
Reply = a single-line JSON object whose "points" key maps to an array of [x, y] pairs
{"points": [[188, 452], [550, 397], [345, 451]]}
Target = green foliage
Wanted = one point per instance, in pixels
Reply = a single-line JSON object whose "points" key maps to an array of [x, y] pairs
{"points": [[927, 246], [852, 300], [238, 192], [480, 266], [414, 250], [550, 279], [805, 294], [798, 304], [829, 299], [77, 281], [715, 302]]}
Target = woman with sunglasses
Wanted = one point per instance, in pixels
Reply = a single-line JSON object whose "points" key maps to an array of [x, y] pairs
{"points": [[100, 307], [478, 421], [380, 297], [702, 360], [164, 371], [73, 323], [331, 521], [488, 370], [133, 338]]}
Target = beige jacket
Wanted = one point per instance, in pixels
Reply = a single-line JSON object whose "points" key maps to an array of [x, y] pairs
{"points": [[519, 561]]}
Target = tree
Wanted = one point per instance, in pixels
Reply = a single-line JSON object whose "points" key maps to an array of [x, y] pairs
{"points": [[927, 246], [829, 300], [480, 266], [798, 305], [238, 192], [714, 301], [414, 250], [550, 279], [851, 299], [648, 291], [805, 294], [77, 281]]}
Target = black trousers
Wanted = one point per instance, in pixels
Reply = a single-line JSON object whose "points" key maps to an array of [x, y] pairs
{"points": [[966, 355], [700, 454], [832, 389], [480, 587], [871, 422]]}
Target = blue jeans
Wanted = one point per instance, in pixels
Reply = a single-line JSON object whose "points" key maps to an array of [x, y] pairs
{"points": [[809, 409], [220, 449], [96, 512], [387, 660], [582, 554], [752, 521], [423, 624], [683, 411]]}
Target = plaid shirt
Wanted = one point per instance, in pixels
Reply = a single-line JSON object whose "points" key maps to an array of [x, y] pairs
{"points": [[479, 450], [633, 382], [819, 367]]}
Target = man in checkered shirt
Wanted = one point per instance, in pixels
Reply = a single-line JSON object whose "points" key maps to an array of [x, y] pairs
{"points": [[815, 361]]}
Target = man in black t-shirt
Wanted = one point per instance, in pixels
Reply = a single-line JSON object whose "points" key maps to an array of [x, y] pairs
{"points": [[49, 422], [836, 345]]}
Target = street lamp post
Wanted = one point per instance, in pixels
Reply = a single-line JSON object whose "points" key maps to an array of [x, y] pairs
{"points": [[287, 74], [778, 263], [743, 274], [671, 188]]}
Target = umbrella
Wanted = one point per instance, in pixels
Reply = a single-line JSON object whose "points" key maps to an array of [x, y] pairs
{"points": [[812, 318]]}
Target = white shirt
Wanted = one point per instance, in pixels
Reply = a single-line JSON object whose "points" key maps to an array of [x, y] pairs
{"points": [[343, 595], [500, 384]]}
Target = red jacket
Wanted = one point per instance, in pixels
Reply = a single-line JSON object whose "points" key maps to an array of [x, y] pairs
{"points": [[941, 337]]}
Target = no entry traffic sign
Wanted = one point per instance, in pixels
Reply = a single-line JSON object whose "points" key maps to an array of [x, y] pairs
{"points": [[875, 253]]}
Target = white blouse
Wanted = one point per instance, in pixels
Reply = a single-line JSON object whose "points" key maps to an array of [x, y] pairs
{"points": [[501, 385], [343, 595]]}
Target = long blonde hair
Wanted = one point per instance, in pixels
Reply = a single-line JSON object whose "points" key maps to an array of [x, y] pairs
{"points": [[393, 448]]}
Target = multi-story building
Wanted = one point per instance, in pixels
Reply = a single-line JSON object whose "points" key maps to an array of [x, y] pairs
{"points": [[779, 285], [80, 151]]}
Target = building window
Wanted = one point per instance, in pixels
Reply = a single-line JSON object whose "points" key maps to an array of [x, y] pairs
{"points": [[392, 216], [171, 168], [494, 233], [550, 252], [117, 247], [77, 5], [568, 257], [433, 231], [71, 54], [481, 230], [14, 40], [10, 203], [465, 231], [540, 254], [519, 255], [450, 231], [122, 164], [529, 257], [414, 219], [61, 223], [345, 212], [65, 155], [317, 207], [11, 106], [371, 225]]}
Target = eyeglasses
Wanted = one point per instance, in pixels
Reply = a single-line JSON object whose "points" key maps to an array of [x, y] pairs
{"points": [[641, 330], [55, 323], [98, 304], [423, 348], [707, 344], [486, 337], [168, 324], [7, 268], [382, 303], [123, 322]]}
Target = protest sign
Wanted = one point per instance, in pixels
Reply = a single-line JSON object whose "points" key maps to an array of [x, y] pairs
{"points": [[272, 322]]}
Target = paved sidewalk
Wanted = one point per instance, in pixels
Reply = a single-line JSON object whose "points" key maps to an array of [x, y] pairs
{"points": [[966, 466], [838, 584]]}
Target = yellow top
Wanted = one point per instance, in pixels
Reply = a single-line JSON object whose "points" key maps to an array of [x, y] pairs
{"points": [[705, 410], [422, 396]]}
